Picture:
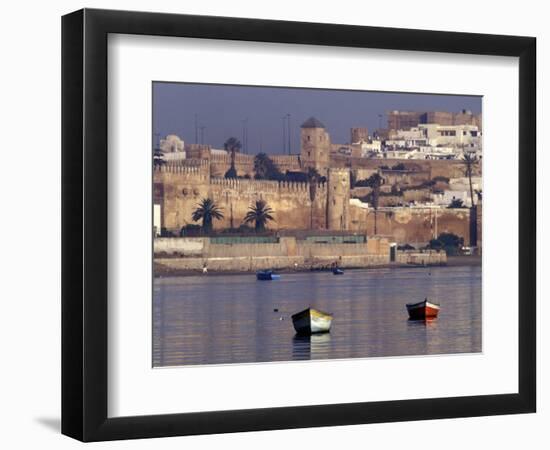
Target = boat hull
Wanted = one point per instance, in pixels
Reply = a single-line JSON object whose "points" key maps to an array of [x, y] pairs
{"points": [[311, 321], [337, 272], [423, 310], [267, 276]]}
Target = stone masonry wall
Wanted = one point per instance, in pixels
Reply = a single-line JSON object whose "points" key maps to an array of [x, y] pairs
{"points": [[179, 192], [411, 225], [289, 253]]}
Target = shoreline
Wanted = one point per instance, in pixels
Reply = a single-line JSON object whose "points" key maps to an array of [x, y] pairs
{"points": [[161, 271]]}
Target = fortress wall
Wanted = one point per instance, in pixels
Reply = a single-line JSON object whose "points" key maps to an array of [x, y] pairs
{"points": [[286, 162], [244, 164], [220, 164], [179, 193], [290, 202], [175, 187], [411, 225], [445, 168]]}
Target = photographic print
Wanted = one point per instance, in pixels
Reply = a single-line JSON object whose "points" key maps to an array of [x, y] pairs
{"points": [[314, 224]]}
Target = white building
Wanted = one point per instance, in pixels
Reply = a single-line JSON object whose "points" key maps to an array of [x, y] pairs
{"points": [[433, 141], [457, 136], [445, 198], [172, 148]]}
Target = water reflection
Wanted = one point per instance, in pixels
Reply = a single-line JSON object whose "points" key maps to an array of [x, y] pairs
{"points": [[316, 346], [234, 319]]}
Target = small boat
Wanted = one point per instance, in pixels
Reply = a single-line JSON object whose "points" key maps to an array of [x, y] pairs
{"points": [[310, 321], [266, 275], [337, 271], [423, 310]]}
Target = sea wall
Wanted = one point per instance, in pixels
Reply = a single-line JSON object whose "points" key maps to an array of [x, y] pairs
{"points": [[184, 254], [424, 258], [252, 264]]}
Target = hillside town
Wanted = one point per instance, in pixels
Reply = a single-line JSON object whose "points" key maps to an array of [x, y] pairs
{"points": [[409, 192]]}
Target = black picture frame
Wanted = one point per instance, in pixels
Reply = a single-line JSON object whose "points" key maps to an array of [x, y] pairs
{"points": [[84, 224]]}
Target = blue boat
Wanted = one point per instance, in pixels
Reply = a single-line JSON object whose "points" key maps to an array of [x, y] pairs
{"points": [[267, 275], [337, 271]]}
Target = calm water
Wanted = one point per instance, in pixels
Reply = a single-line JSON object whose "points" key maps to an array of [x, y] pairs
{"points": [[231, 319]]}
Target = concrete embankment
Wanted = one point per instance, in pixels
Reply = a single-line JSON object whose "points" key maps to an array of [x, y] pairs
{"points": [[179, 256]]}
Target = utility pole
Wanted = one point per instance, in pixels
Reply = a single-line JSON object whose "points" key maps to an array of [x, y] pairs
{"points": [[202, 133], [284, 133], [288, 135], [196, 129], [435, 237], [245, 136]]}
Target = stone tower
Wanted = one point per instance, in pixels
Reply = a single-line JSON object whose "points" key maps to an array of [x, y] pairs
{"points": [[359, 134], [338, 195], [315, 146]]}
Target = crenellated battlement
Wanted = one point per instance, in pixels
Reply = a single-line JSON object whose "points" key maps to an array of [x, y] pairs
{"points": [[183, 171], [179, 186], [285, 159], [240, 158], [264, 186]]}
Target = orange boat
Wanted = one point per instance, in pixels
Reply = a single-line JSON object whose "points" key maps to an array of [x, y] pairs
{"points": [[423, 310]]}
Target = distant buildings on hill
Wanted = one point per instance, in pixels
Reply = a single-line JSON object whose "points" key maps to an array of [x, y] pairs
{"points": [[410, 135]]}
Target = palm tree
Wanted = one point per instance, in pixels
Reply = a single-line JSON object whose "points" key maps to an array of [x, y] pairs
{"points": [[207, 210], [232, 145], [375, 181], [260, 214], [265, 168], [470, 161], [313, 178]]}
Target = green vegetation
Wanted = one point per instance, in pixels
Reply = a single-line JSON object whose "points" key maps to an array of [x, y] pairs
{"points": [[232, 146], [405, 247], [449, 242], [259, 214], [265, 168], [207, 211], [399, 166], [470, 161], [456, 203], [231, 172], [374, 182], [190, 229], [440, 179]]}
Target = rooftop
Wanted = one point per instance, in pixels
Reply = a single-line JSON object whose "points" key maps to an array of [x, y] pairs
{"points": [[312, 122]]}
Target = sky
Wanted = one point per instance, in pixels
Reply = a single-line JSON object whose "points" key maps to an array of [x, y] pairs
{"points": [[222, 110]]}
